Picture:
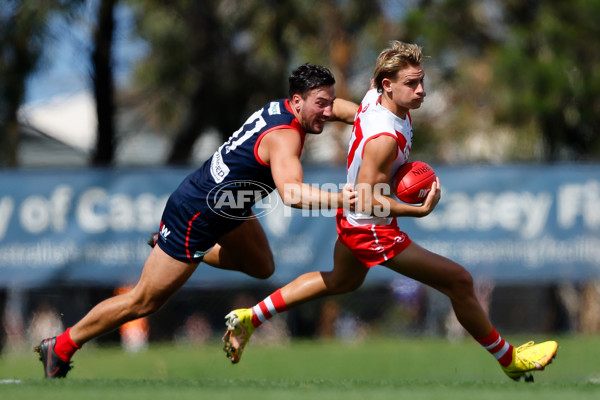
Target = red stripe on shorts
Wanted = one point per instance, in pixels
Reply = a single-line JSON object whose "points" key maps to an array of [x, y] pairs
{"points": [[187, 236]]}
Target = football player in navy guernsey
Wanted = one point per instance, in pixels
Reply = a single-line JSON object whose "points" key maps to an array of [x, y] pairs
{"points": [[369, 235], [209, 217]]}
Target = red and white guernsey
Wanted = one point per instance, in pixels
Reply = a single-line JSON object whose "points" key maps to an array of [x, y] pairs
{"points": [[373, 120]]}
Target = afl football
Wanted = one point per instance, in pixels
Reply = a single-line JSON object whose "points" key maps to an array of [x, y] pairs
{"points": [[413, 182]]}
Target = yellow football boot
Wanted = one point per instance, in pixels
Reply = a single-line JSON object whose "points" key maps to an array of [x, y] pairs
{"points": [[239, 330], [530, 357]]}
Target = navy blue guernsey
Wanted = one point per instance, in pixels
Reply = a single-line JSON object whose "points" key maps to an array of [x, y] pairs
{"points": [[236, 164], [219, 195]]}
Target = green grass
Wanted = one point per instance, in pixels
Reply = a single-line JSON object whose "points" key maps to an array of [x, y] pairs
{"points": [[370, 369]]}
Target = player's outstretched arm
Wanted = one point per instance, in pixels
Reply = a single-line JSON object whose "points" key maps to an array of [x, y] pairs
{"points": [[281, 149], [343, 110]]}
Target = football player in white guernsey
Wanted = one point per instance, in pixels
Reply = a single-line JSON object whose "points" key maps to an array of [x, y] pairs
{"points": [[381, 142]]}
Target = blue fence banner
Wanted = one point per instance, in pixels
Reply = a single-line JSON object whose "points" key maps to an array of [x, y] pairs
{"points": [[513, 223]]}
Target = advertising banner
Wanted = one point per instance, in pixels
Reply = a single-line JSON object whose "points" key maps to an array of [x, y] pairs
{"points": [[507, 223]]}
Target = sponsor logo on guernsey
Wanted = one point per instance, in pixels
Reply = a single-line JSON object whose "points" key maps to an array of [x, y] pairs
{"points": [[218, 169], [274, 108]]}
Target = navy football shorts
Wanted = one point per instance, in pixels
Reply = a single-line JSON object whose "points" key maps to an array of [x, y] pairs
{"points": [[188, 228]]}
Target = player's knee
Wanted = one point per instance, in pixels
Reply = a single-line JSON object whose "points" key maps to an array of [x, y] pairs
{"points": [[261, 274], [265, 271], [354, 283], [342, 285], [261, 269]]}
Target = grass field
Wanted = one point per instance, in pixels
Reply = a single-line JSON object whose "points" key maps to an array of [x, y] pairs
{"points": [[371, 369]]}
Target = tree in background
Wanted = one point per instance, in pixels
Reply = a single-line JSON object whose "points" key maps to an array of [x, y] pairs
{"points": [[23, 32], [520, 80], [213, 62], [103, 83], [507, 81], [23, 35], [203, 69], [547, 74]]}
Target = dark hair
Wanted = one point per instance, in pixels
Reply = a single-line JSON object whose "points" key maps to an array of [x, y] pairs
{"points": [[308, 77]]}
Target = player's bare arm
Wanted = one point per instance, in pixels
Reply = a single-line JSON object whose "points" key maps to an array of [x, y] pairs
{"points": [[344, 111], [379, 153], [281, 149]]}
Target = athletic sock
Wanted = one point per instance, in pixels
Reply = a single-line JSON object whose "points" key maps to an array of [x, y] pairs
{"points": [[268, 308], [498, 347], [65, 347]]}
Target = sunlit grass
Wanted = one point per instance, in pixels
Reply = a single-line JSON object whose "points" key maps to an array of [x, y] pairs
{"points": [[370, 369]]}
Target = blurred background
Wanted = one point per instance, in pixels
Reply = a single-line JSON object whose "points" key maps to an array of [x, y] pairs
{"points": [[105, 105]]}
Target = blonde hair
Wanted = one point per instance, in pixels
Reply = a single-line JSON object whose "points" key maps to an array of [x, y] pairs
{"points": [[399, 56]]}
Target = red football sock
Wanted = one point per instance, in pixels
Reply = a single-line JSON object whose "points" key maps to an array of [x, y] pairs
{"points": [[498, 347], [65, 347], [268, 308]]}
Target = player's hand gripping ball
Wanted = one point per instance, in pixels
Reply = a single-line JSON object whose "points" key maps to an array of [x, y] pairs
{"points": [[413, 182]]}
